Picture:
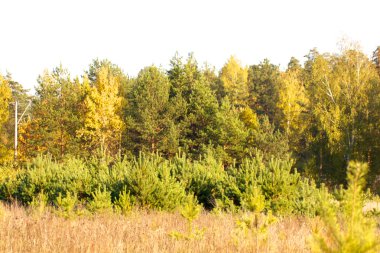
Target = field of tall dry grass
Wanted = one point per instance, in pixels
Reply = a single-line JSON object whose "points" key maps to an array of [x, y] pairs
{"points": [[142, 231]]}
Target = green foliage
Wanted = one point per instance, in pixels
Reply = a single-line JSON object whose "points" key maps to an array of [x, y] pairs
{"points": [[264, 85], [55, 109], [285, 191], [66, 204], [208, 180], [190, 211], [192, 106], [147, 117], [348, 229], [101, 201], [325, 112], [39, 203], [269, 141], [253, 200], [44, 174], [124, 203], [231, 132], [151, 181]]}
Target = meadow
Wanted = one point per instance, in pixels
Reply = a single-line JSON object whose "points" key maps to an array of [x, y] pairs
{"points": [[144, 231], [151, 204]]}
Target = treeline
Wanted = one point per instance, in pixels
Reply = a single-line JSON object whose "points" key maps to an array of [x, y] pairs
{"points": [[323, 114]]}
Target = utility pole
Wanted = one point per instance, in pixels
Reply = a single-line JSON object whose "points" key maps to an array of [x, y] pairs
{"points": [[17, 121]]}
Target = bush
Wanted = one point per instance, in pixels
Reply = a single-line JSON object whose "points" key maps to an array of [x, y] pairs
{"points": [[44, 174], [151, 181], [66, 205], [207, 180], [124, 203], [285, 191], [101, 201]]}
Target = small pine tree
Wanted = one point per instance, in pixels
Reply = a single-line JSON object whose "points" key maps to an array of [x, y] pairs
{"points": [[124, 203], [190, 211], [101, 201], [66, 204], [348, 230], [39, 203], [253, 200]]}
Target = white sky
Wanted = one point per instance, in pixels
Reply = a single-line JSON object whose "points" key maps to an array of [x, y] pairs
{"points": [[40, 34]]}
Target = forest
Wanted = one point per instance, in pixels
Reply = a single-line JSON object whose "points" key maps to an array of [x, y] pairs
{"points": [[253, 138], [322, 114]]}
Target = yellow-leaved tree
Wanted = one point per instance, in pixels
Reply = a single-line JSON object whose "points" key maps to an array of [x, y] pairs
{"points": [[5, 96], [102, 124], [234, 79], [293, 105]]}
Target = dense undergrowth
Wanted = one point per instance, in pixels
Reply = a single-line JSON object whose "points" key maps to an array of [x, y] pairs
{"points": [[150, 181]]}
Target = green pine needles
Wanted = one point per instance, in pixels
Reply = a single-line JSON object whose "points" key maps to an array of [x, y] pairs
{"points": [[347, 229]]}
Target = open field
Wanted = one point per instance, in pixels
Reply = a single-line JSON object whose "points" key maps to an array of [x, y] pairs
{"points": [[143, 232]]}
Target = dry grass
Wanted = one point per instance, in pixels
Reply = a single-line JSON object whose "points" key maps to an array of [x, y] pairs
{"points": [[141, 232]]}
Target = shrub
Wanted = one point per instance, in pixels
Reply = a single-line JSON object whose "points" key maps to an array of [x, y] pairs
{"points": [[253, 200], [39, 203], [208, 180], [150, 179], [124, 203], [66, 204], [51, 177], [285, 191], [101, 201]]}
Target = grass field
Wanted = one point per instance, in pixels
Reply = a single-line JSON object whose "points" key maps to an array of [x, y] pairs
{"points": [[142, 231]]}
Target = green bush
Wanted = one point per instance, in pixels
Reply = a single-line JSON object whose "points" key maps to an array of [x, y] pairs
{"points": [[44, 174], [39, 203], [208, 180], [66, 205], [285, 191], [101, 201], [151, 181], [124, 203]]}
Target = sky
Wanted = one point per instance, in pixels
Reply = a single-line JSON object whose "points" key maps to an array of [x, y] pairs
{"points": [[42, 34]]}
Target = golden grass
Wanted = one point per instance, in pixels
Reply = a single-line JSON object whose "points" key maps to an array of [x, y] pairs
{"points": [[142, 231]]}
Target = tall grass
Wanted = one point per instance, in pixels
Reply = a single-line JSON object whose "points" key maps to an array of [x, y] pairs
{"points": [[140, 231]]}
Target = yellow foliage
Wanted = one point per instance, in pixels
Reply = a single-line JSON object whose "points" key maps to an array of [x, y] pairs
{"points": [[5, 96], [234, 80], [292, 102], [102, 123]]}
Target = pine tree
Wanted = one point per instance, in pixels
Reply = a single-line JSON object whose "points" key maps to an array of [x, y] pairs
{"points": [[263, 84], [352, 231], [54, 116], [193, 104], [147, 117]]}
